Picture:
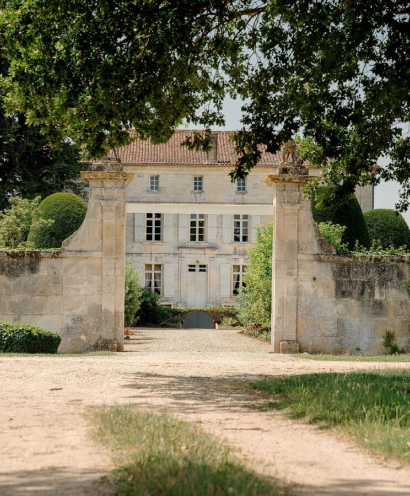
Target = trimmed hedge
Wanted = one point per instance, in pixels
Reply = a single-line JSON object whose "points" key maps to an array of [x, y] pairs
{"points": [[388, 227], [345, 212], [68, 212], [23, 338], [153, 314], [178, 314]]}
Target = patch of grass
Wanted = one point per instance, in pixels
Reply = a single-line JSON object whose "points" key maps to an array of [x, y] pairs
{"points": [[158, 454], [63, 355], [355, 358], [372, 407]]}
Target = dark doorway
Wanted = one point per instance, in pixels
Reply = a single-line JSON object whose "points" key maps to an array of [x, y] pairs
{"points": [[198, 319]]}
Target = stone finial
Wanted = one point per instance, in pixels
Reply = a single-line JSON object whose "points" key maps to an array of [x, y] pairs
{"points": [[292, 169]]}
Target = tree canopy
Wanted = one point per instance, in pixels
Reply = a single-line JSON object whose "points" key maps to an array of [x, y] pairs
{"points": [[29, 166], [337, 71]]}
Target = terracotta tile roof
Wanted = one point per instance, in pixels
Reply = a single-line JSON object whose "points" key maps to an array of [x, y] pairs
{"points": [[144, 152]]}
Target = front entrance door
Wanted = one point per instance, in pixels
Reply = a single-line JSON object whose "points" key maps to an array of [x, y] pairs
{"points": [[197, 285]]}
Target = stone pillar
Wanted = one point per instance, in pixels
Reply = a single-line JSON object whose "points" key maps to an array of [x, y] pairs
{"points": [[287, 185], [103, 233]]}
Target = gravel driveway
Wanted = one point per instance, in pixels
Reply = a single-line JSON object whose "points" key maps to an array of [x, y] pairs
{"points": [[44, 443]]}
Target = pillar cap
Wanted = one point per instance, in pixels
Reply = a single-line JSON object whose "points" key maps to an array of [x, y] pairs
{"points": [[288, 177], [104, 175]]}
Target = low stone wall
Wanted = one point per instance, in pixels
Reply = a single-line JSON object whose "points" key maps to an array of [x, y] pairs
{"points": [[58, 291], [346, 304]]}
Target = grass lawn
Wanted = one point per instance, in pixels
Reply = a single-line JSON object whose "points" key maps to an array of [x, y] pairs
{"points": [[355, 358], [158, 454], [91, 353], [372, 407]]}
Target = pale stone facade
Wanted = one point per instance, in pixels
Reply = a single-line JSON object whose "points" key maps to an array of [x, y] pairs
{"points": [[218, 255], [172, 197]]}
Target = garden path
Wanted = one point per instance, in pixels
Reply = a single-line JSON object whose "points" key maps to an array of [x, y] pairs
{"points": [[45, 448]]}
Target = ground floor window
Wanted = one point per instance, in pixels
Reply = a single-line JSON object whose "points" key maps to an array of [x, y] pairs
{"points": [[153, 277], [237, 278]]}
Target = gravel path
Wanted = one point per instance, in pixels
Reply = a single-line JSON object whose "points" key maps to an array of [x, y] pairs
{"points": [[44, 443]]}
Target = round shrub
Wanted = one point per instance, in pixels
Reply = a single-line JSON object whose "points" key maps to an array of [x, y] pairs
{"points": [[66, 210], [344, 212], [388, 227]]}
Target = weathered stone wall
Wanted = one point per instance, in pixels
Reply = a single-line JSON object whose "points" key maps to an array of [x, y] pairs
{"points": [[59, 292], [78, 291], [346, 304]]}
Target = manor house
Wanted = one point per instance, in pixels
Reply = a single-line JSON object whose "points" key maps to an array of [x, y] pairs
{"points": [[188, 226]]}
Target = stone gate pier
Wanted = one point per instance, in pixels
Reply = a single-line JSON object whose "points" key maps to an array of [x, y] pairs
{"points": [[77, 291], [323, 302]]}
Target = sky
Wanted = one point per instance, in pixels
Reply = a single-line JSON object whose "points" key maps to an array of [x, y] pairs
{"points": [[386, 195]]}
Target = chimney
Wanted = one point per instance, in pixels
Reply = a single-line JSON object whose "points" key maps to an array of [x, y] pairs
{"points": [[212, 156]]}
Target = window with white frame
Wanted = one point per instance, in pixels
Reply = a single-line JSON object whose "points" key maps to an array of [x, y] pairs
{"points": [[241, 185], [198, 183], [153, 277], [154, 183], [241, 228], [197, 227], [237, 278], [153, 227]]}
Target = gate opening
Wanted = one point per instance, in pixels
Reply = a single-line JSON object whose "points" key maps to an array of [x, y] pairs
{"points": [[198, 319]]}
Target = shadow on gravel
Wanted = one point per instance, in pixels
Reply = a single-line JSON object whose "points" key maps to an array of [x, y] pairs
{"points": [[55, 481], [196, 393]]}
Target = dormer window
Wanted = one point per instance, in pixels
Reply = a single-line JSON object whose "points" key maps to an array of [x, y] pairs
{"points": [[154, 183]]}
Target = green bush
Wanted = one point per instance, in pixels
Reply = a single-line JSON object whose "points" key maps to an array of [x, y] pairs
{"points": [[22, 338], [334, 234], [16, 222], [133, 292], [343, 212], [66, 210], [254, 300], [150, 312], [388, 228]]}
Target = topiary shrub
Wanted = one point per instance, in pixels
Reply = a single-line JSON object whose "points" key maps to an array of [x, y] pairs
{"points": [[344, 212], [22, 338], [66, 210], [388, 227]]}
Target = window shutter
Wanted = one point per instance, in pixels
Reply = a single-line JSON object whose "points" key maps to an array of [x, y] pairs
{"points": [[183, 228], [168, 228], [256, 220], [212, 228], [138, 228], [225, 280], [169, 280], [226, 228]]}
